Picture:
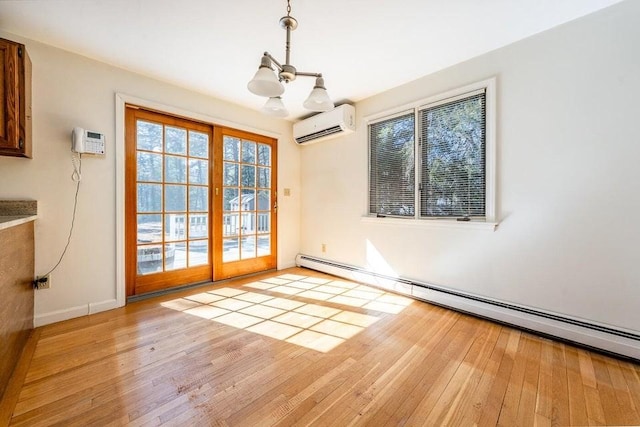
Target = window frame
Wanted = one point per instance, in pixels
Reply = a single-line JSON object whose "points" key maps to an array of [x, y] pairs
{"points": [[490, 219]]}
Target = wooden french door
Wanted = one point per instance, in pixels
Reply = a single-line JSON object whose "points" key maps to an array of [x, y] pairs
{"points": [[200, 202], [246, 217], [167, 206]]}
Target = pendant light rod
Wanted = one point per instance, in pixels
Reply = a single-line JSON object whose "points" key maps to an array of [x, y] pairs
{"points": [[288, 43]]}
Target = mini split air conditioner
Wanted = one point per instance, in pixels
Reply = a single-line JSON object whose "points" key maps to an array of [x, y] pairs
{"points": [[339, 121]]}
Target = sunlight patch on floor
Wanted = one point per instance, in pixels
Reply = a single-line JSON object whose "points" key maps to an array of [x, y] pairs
{"points": [[309, 325]]}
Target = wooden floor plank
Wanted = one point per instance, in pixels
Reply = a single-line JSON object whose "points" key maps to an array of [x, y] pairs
{"points": [[544, 405], [528, 394], [606, 393], [578, 415], [470, 414], [624, 396], [511, 401], [495, 399], [163, 362], [560, 389]]}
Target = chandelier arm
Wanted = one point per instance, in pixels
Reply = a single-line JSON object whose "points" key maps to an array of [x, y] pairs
{"points": [[305, 74], [273, 60]]}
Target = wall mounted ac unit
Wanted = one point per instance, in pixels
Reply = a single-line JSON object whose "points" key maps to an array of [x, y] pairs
{"points": [[339, 121]]}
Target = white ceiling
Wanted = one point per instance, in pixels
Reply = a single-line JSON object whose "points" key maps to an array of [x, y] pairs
{"points": [[362, 47]]}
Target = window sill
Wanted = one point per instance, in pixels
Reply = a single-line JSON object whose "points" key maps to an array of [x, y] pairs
{"points": [[430, 223]]}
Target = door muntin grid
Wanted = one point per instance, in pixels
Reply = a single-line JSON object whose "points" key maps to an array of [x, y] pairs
{"points": [[172, 197], [246, 189]]}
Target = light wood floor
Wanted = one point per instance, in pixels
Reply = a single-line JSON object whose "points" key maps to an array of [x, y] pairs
{"points": [[301, 348]]}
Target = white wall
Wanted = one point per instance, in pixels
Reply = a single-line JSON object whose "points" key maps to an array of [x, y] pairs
{"points": [[71, 90], [567, 179]]}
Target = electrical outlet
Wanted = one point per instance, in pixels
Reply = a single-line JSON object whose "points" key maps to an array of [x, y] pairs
{"points": [[324, 247], [43, 282]]}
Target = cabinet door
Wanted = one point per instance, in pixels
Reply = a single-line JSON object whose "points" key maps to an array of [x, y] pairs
{"points": [[15, 114]]}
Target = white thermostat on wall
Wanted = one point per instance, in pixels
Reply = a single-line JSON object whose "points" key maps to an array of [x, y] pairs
{"points": [[86, 141]]}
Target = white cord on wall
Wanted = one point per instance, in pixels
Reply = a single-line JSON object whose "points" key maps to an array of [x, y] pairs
{"points": [[76, 176]]}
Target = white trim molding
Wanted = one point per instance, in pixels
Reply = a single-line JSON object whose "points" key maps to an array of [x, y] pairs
{"points": [[429, 223], [73, 312]]}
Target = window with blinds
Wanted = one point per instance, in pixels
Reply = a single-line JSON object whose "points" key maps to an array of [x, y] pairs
{"points": [[392, 166], [453, 158], [445, 176]]}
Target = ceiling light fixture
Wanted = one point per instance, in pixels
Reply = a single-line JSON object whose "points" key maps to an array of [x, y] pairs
{"points": [[266, 83]]}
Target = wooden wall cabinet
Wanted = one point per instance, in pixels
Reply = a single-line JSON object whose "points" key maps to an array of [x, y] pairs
{"points": [[15, 94]]}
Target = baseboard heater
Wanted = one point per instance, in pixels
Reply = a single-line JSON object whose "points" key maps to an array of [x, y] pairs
{"points": [[601, 337]]}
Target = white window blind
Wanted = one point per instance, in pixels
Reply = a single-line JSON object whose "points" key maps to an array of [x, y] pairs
{"points": [[453, 151], [392, 166]]}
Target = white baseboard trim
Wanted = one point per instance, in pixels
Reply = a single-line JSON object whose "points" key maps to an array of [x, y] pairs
{"points": [[97, 307], [60, 315], [603, 337], [73, 312], [288, 264]]}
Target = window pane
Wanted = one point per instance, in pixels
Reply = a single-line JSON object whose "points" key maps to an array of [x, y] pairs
{"points": [[231, 201], [248, 200], [175, 227], [392, 166], [175, 169], [231, 224], [248, 247], [264, 177], [149, 259], [149, 166], [149, 197], [175, 140], [198, 199], [230, 250], [149, 136], [231, 148], [263, 223], [453, 158], [176, 256], [264, 245], [263, 200], [149, 228], [198, 252], [248, 176], [264, 155], [198, 171], [248, 223], [248, 152], [175, 198], [198, 226], [198, 144], [230, 171]]}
